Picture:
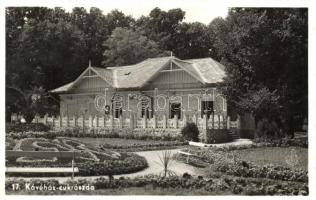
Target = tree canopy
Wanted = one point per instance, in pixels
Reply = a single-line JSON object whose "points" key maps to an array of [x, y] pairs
{"points": [[264, 51]]}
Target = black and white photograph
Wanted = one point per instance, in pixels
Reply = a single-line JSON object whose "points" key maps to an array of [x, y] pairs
{"points": [[177, 98]]}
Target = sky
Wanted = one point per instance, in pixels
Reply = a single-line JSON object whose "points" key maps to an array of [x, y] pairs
{"points": [[200, 10]]}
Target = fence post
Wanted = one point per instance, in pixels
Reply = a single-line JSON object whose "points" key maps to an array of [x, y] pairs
{"points": [[45, 119], [194, 119], [205, 122], [75, 120], [83, 122], [238, 121], [67, 121], [175, 121], [111, 122], [96, 117], [184, 121], [213, 120], [144, 121], [90, 121], [131, 121], [53, 120], [60, 121], [219, 121], [121, 122], [228, 122], [164, 122], [154, 122]]}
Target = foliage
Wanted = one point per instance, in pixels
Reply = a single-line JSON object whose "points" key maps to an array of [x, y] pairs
{"points": [[265, 70], [28, 102], [158, 135], [246, 169], [226, 161], [126, 47], [267, 129], [282, 142], [190, 132], [150, 146], [183, 183], [214, 136], [166, 161], [19, 127]]}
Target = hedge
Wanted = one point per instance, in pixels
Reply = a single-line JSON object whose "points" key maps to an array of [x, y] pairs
{"points": [[214, 136]]}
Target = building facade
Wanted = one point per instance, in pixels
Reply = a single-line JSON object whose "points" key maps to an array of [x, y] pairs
{"points": [[165, 86]]}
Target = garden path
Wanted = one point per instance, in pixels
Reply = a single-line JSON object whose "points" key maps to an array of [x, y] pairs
{"points": [[154, 167]]}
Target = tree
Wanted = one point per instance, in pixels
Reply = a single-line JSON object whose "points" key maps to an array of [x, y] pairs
{"points": [[28, 103], [265, 49], [161, 26], [192, 40], [126, 46]]}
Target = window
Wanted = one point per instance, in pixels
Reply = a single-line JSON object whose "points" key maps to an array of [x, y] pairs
{"points": [[146, 107], [207, 108], [117, 106], [175, 109]]}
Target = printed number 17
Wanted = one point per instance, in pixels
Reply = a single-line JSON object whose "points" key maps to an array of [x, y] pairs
{"points": [[15, 186]]}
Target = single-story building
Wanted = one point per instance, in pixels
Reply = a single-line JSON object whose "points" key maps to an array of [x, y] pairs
{"points": [[156, 86]]}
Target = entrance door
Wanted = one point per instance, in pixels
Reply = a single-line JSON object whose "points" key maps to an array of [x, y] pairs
{"points": [[175, 109], [207, 108]]}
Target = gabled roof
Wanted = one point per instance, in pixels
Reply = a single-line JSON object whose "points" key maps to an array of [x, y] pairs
{"points": [[205, 70]]}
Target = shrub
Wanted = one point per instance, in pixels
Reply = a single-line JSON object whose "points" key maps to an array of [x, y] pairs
{"points": [[10, 127], [190, 132], [214, 136], [158, 134], [267, 129]]}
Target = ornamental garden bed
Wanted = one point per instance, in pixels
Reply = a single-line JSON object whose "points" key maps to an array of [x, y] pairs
{"points": [[91, 160], [286, 164], [137, 134]]}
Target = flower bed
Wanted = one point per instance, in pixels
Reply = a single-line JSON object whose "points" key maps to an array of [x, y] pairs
{"points": [[143, 146], [246, 169], [233, 185], [17, 128], [91, 161], [225, 161], [151, 134], [283, 142]]}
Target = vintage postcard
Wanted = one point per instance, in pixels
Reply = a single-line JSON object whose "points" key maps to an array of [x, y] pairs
{"points": [[156, 98]]}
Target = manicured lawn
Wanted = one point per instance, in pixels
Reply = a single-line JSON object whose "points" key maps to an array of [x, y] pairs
{"points": [[293, 157]]}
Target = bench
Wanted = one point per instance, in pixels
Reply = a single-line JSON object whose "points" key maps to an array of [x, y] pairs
{"points": [[187, 154], [42, 170]]}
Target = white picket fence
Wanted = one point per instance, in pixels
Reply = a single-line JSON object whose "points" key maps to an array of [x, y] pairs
{"points": [[213, 122]]}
